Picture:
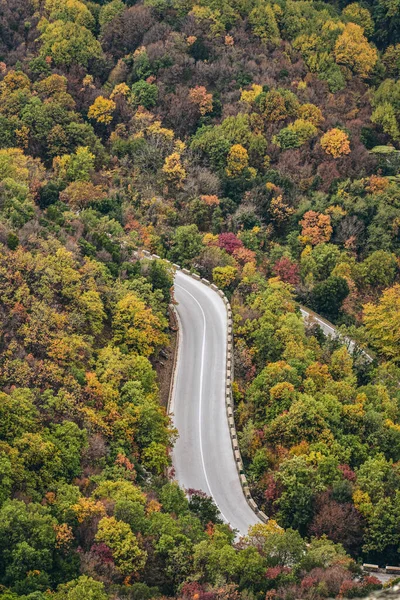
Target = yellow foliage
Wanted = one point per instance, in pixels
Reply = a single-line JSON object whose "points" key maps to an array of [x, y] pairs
{"points": [[210, 240], [224, 276], [156, 129], [316, 227], [311, 113], [101, 110], [173, 169], [250, 95], [86, 508], [279, 210], [357, 14], [137, 327], [238, 160], [353, 50], [362, 502], [120, 90], [382, 323], [259, 533], [336, 143], [64, 535]]}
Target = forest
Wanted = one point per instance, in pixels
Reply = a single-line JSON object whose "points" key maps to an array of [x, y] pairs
{"points": [[256, 142]]}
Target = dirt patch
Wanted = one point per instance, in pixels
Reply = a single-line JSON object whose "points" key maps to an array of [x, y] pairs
{"points": [[164, 364]]}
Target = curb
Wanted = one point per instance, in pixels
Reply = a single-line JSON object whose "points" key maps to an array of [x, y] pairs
{"points": [[229, 378], [175, 362]]}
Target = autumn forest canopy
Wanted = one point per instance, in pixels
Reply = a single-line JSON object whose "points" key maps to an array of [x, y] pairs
{"points": [[256, 142]]}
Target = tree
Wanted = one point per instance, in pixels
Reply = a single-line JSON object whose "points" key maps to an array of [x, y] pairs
{"points": [[263, 20], [27, 543], [101, 110], [327, 297], [237, 160], [316, 227], [278, 104], [80, 194], [379, 268], [224, 277], [201, 98], [73, 10], [136, 327], [311, 113], [229, 242], [118, 536], [174, 171], [83, 587], [361, 16], [75, 167], [287, 270], [144, 94], [353, 50], [186, 244], [336, 143], [68, 43], [382, 323], [341, 523]]}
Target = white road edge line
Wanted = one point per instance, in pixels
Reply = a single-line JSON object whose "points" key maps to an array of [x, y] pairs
{"points": [[201, 396]]}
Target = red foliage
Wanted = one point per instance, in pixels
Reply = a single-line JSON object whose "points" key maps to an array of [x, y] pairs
{"points": [[287, 270], [271, 490], [195, 591], [103, 552], [347, 472], [229, 242], [342, 523], [308, 582], [274, 572]]}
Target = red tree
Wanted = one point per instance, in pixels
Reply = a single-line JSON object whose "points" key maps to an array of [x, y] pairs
{"points": [[229, 242], [287, 270]]}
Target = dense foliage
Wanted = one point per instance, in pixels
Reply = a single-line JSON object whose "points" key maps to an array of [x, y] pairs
{"points": [[258, 143]]}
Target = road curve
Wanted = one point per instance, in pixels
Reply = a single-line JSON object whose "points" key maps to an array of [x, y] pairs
{"points": [[203, 457]]}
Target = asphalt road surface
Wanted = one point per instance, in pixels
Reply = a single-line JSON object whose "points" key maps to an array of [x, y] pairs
{"points": [[203, 456]]}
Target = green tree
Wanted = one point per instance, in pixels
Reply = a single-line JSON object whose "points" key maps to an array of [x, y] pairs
{"points": [[327, 296], [144, 94], [68, 43], [83, 587], [186, 244]]}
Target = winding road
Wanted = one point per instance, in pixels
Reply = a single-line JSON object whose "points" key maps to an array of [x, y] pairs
{"points": [[203, 458]]}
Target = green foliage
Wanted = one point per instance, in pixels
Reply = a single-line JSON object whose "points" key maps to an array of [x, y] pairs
{"points": [[144, 94], [68, 43], [327, 296]]}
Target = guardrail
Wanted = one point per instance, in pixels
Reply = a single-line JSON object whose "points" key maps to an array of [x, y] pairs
{"points": [[229, 377]]}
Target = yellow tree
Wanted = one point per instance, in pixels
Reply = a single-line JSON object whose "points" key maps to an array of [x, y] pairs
{"points": [[80, 194], [382, 322], [101, 110], [250, 95], [238, 160], [311, 113], [137, 327], [336, 143], [173, 170], [353, 50], [316, 227], [357, 14], [118, 536]]}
